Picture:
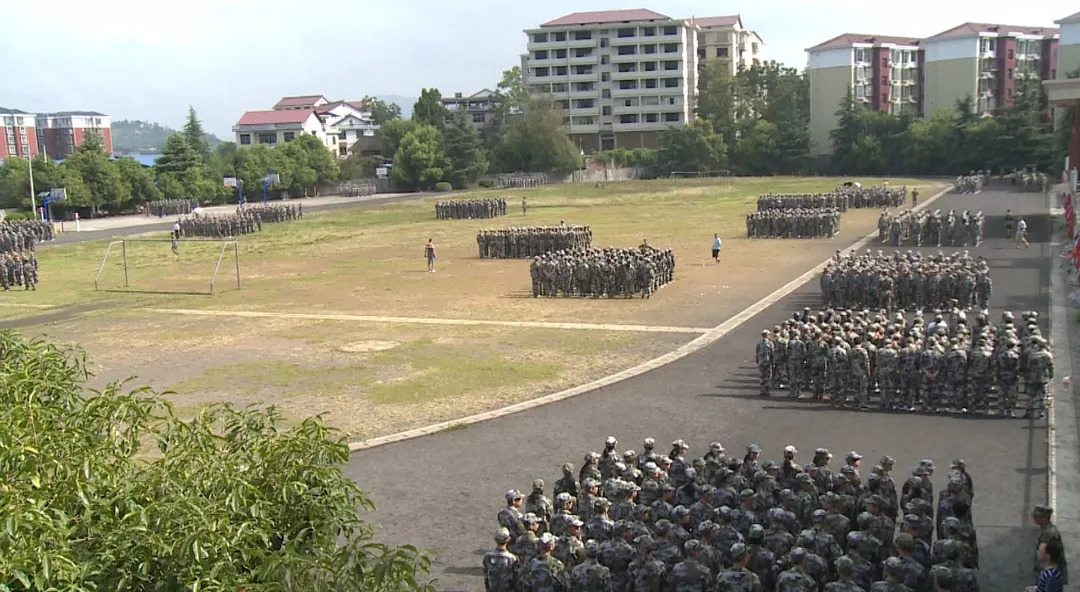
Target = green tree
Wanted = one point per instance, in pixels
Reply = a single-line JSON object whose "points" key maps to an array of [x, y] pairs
{"points": [[694, 147], [139, 180], [104, 186], [177, 156], [111, 490], [14, 183], [358, 166], [465, 152], [429, 109], [758, 151], [537, 141], [846, 135], [391, 134], [511, 95], [930, 145], [419, 162], [195, 136], [718, 99], [381, 111]]}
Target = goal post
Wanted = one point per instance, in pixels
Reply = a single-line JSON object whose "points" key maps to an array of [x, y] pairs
{"points": [[121, 247]]}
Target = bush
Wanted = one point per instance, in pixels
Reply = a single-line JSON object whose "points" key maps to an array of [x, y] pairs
{"points": [[18, 216], [443, 186], [486, 183]]}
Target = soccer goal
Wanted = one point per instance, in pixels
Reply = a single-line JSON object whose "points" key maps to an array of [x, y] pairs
{"points": [[149, 265]]}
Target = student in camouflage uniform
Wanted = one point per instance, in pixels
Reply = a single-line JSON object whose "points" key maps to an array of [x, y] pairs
{"points": [[545, 573], [468, 209], [590, 576], [607, 272], [502, 570], [906, 281], [170, 207], [793, 223], [522, 242]]}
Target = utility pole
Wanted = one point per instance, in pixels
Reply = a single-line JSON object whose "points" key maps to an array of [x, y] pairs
{"points": [[33, 196]]}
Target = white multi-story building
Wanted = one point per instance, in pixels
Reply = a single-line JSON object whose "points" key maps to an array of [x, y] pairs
{"points": [[480, 107], [343, 126], [621, 76]]}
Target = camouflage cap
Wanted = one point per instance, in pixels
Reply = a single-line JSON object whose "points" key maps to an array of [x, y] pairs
{"points": [[663, 526], [513, 495], [692, 546], [746, 494], [724, 512], [538, 484], [649, 443], [563, 497], [502, 536], [894, 567], [738, 552], [926, 464], [530, 518], [786, 494], [645, 543], [610, 441], [798, 555], [756, 533], [886, 461], [601, 503], [592, 548], [753, 448], [818, 515], [576, 522], [716, 447], [547, 539], [568, 468]]}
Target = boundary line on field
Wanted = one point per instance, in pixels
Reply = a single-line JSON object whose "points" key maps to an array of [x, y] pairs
{"points": [[428, 321], [711, 336]]}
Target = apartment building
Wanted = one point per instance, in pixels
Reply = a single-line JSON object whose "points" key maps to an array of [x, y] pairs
{"points": [[621, 76], [725, 39], [343, 126], [882, 72], [986, 61], [60, 133], [480, 107], [17, 134], [1068, 59]]}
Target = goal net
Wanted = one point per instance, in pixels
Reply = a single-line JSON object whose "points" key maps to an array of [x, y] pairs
{"points": [[149, 266]]}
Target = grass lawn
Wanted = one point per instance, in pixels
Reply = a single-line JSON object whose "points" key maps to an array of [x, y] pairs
{"points": [[375, 378]]}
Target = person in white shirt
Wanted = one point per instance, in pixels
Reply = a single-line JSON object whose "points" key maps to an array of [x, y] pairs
{"points": [[1021, 233], [716, 247]]}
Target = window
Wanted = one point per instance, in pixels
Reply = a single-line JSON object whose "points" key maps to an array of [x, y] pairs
{"points": [[479, 118], [860, 91], [628, 103], [672, 117], [701, 52], [671, 48], [650, 101], [648, 49], [268, 137], [671, 65], [582, 69], [605, 94], [584, 104], [560, 36], [582, 35], [541, 72], [560, 53], [860, 72], [1009, 92], [559, 71], [11, 148], [1008, 73], [539, 37], [560, 87], [603, 42], [1011, 55], [631, 67], [671, 83], [584, 120], [605, 76], [884, 79], [290, 136], [584, 86], [540, 54], [652, 117], [627, 84], [628, 118], [626, 50], [627, 32], [648, 31], [860, 55], [583, 53], [605, 111], [721, 52], [649, 83], [649, 66], [605, 60], [671, 30]]}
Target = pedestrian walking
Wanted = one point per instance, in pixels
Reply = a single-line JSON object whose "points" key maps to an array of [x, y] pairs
{"points": [[1050, 579], [1010, 224], [524, 206], [175, 244], [429, 254], [914, 197], [716, 247], [1021, 233], [176, 229]]}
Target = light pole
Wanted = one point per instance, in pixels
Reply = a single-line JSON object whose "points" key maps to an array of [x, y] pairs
{"points": [[33, 196]]}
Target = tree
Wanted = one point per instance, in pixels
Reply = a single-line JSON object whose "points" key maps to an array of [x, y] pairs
{"points": [[195, 136], [381, 111], [391, 134], [465, 152], [111, 490], [177, 155], [511, 95], [14, 183], [537, 141], [419, 162], [139, 180], [717, 99], [758, 151], [429, 109], [104, 186], [846, 135], [359, 166], [694, 147]]}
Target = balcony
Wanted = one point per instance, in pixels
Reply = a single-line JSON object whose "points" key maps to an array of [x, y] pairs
{"points": [[593, 77], [627, 92], [630, 57], [582, 61]]}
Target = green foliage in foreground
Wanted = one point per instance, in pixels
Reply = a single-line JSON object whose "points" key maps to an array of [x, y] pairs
{"points": [[227, 501]]}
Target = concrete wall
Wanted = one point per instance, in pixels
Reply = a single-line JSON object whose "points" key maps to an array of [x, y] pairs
{"points": [[949, 80], [828, 86], [1068, 59]]}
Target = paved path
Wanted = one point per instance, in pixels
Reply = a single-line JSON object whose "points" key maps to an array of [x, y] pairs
{"points": [[101, 228], [443, 491]]}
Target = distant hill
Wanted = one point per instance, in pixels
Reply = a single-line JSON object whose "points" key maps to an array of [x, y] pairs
{"points": [[146, 137]]}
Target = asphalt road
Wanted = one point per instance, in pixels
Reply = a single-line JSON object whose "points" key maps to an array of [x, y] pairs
{"points": [[442, 492], [309, 206]]}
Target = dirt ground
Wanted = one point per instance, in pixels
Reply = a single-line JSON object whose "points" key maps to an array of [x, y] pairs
{"points": [[373, 378]]}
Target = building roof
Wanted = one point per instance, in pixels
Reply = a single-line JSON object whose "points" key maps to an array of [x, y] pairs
{"points": [[1074, 18], [971, 29], [717, 21], [6, 111], [272, 117], [358, 105], [596, 17], [299, 101], [850, 39], [482, 94]]}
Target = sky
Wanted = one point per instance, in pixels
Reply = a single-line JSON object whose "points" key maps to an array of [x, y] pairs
{"points": [[150, 59]]}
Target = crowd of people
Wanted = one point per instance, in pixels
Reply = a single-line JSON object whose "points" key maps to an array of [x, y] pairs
{"points": [[793, 223], [246, 220], [970, 183], [803, 201], [465, 209], [588, 272], [906, 281], [18, 261], [901, 227], [678, 522], [357, 188], [956, 363], [171, 207], [520, 180], [520, 242], [877, 196]]}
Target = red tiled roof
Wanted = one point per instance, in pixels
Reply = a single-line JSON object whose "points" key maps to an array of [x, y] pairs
{"points": [[967, 29], [1069, 19], [300, 101], [274, 117], [717, 21], [606, 16], [849, 39]]}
